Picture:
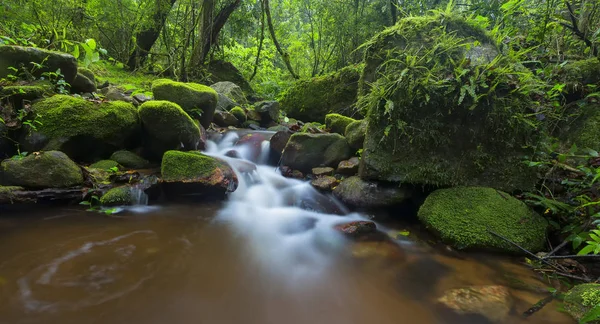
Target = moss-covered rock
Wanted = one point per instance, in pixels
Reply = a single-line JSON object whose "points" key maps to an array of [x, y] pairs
{"points": [[220, 70], [434, 119], [305, 151], [52, 169], [225, 119], [129, 159], [9, 189], [582, 126], [17, 56], [581, 299], [87, 73], [368, 194], [196, 174], [313, 127], [120, 196], [16, 94], [167, 127], [231, 91], [464, 216], [195, 99], [239, 113], [338, 123], [268, 110], [355, 133], [105, 165], [577, 76], [83, 129], [312, 99], [82, 84]]}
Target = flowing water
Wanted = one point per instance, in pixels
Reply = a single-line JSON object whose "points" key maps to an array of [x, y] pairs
{"points": [[267, 255]]}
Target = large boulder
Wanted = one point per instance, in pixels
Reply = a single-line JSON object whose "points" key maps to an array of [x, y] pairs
{"points": [[225, 119], [312, 99], [129, 159], [18, 95], [355, 133], [82, 84], [51, 61], [225, 71], [356, 192], [167, 127], [268, 110], [195, 99], [51, 169], [472, 217], [576, 76], [82, 129], [581, 299], [119, 196], [231, 91], [460, 115], [305, 151], [195, 174], [337, 123]]}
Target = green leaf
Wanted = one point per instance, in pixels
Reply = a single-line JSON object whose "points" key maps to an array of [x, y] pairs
{"points": [[592, 315], [91, 43], [577, 240], [586, 250], [75, 52]]}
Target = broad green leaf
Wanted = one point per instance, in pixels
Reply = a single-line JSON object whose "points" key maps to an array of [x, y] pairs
{"points": [[91, 43]]}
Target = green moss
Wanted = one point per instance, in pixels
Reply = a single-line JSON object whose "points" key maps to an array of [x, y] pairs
{"points": [[462, 217], [26, 92], [355, 133], [338, 123], [51, 169], [312, 127], [249, 123], [87, 73], [117, 197], [312, 99], [581, 299], [116, 73], [66, 116], [187, 166], [105, 165], [129, 159], [9, 189], [582, 127], [577, 75], [239, 113], [195, 99]]}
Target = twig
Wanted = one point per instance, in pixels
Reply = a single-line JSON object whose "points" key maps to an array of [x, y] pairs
{"points": [[538, 306], [523, 249], [589, 256], [556, 249]]}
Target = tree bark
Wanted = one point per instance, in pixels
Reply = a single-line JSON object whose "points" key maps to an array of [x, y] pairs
{"points": [[146, 38], [262, 38], [284, 55]]}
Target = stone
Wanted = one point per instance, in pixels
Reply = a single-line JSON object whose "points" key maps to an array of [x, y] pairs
{"points": [[356, 229], [167, 127], [105, 165], [225, 103], [278, 128], [82, 84], [253, 142], [312, 99], [581, 299], [225, 119], [194, 174], [50, 169], [323, 171], [114, 93], [51, 61], [197, 100], [324, 183], [220, 70], [357, 192], [581, 126], [7, 147], [355, 133], [16, 95], [576, 75], [464, 216], [253, 115], [141, 98], [337, 123], [129, 160], [239, 113], [492, 302], [348, 167], [231, 91], [84, 130], [268, 111], [278, 142], [305, 151], [87, 73], [441, 136], [120, 196], [383, 250]]}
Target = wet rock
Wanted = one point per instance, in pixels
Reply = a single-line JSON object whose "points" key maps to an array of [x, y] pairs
{"points": [[356, 229], [141, 98], [355, 133], [82, 84], [253, 142], [51, 169], [225, 103], [305, 151], [243, 166], [324, 183], [323, 171], [268, 110], [464, 216], [114, 93], [17, 56], [105, 165], [581, 299], [239, 113], [337, 123], [279, 140], [348, 167], [492, 302], [225, 119], [120, 196], [195, 99], [367, 194], [296, 174], [18, 195], [231, 91], [129, 159], [168, 127], [193, 174], [253, 115], [278, 128], [382, 250], [298, 225]]}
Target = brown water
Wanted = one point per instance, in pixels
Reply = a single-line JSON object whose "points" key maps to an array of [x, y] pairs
{"points": [[176, 265]]}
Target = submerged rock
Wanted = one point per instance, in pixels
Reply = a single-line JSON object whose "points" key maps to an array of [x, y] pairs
{"points": [[463, 218], [252, 142], [581, 299], [168, 127], [368, 194], [194, 174], [82, 129], [129, 159], [51, 61], [356, 229], [383, 250], [492, 302], [51, 169], [195, 99], [305, 151], [338, 123]]}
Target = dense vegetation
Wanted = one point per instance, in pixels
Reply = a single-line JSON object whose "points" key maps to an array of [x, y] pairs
{"points": [[414, 69]]}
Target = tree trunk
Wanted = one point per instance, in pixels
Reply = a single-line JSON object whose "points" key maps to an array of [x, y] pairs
{"points": [[284, 55], [262, 38], [393, 11], [146, 38]]}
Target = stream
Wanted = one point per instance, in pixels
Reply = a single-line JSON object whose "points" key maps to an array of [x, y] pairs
{"points": [[269, 254]]}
